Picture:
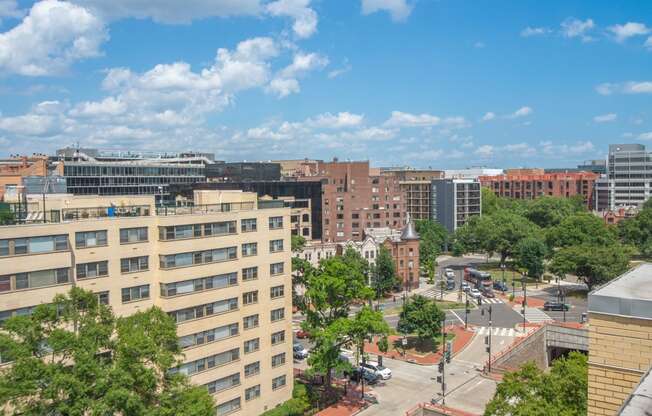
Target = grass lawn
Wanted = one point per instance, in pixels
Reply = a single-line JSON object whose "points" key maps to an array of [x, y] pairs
{"points": [[578, 294], [510, 275], [415, 347], [443, 305]]}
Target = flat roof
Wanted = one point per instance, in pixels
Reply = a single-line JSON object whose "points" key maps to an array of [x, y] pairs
{"points": [[628, 295]]}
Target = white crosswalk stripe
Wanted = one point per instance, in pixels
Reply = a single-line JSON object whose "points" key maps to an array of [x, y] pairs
{"points": [[503, 332], [533, 315], [492, 300]]}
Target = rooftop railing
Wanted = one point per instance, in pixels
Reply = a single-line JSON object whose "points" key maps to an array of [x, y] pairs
{"points": [[165, 210]]}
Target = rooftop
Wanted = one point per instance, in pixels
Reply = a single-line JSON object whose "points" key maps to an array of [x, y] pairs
{"points": [[628, 295]]}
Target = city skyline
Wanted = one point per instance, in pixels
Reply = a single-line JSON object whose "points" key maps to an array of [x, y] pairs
{"points": [[421, 83]]}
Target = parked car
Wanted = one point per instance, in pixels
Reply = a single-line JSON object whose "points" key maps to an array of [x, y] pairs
{"points": [[449, 273], [301, 334], [475, 293], [369, 377], [488, 294], [379, 370], [465, 286], [450, 284], [299, 351], [555, 306], [499, 285]]}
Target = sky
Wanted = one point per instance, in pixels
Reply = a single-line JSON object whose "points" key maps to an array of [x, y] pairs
{"points": [[425, 83]]}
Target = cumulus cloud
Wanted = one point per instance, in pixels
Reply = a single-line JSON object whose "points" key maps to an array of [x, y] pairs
{"points": [[629, 29], [305, 18], [488, 116], [579, 148], [285, 82], [534, 31], [645, 136], [648, 43], [605, 118], [630, 87], [401, 119], [575, 28], [51, 37], [399, 10], [336, 121], [521, 112], [485, 151], [346, 67]]}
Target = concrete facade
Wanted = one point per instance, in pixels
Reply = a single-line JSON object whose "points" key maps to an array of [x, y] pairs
{"points": [[454, 201], [221, 269], [629, 175]]}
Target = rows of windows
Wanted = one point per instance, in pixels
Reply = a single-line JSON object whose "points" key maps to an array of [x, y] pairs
{"points": [[198, 257], [251, 345], [252, 369], [196, 312], [251, 321], [223, 383], [249, 298], [278, 337], [33, 245], [212, 335], [134, 264], [198, 285], [34, 279], [103, 171], [133, 235], [177, 232], [206, 363], [135, 293], [228, 407], [278, 360], [92, 270]]}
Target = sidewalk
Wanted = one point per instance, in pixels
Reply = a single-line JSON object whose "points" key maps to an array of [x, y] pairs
{"points": [[350, 405], [462, 338]]}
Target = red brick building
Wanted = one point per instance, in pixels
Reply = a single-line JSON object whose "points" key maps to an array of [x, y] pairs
{"points": [[534, 183], [405, 253], [356, 197]]}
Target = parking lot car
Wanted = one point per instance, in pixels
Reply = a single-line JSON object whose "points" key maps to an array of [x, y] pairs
{"points": [[302, 334], [488, 294], [475, 293], [465, 286], [299, 351], [449, 273], [377, 369], [369, 377], [555, 306], [500, 286], [450, 284]]}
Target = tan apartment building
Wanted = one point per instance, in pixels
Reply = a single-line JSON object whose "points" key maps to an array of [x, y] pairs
{"points": [[356, 197], [620, 340], [14, 169], [220, 268], [416, 186]]}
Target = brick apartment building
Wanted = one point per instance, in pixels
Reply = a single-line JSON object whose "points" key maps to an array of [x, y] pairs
{"points": [[534, 183], [13, 170], [355, 197], [405, 252], [416, 185]]}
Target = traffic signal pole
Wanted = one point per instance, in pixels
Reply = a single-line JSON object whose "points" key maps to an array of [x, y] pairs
{"points": [[489, 343], [443, 361]]}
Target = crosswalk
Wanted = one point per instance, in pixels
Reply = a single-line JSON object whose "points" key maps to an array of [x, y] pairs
{"points": [[502, 332], [492, 300], [434, 293], [533, 315]]}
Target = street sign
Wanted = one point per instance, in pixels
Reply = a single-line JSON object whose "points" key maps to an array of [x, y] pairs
{"points": [[404, 342], [439, 379]]}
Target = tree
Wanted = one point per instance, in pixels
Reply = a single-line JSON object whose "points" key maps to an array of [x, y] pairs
{"points": [[383, 278], [530, 391], [422, 317], [548, 211], [490, 201], [74, 357], [354, 259], [594, 265], [637, 231], [529, 254], [297, 242], [433, 237], [6, 216], [580, 228]]}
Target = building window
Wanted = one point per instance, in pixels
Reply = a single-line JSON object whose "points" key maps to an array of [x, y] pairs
{"points": [[223, 383], [278, 360], [252, 369], [277, 314], [198, 285], [198, 257], [134, 264], [277, 292], [305, 218], [278, 382], [90, 239], [228, 407], [212, 335], [275, 246], [251, 345], [4, 315], [203, 364], [209, 309], [252, 392], [275, 223], [35, 279], [133, 235], [275, 268], [278, 337], [135, 293], [306, 232], [250, 298], [249, 322], [34, 245], [248, 225], [219, 228], [250, 273], [249, 249], [91, 270], [103, 298]]}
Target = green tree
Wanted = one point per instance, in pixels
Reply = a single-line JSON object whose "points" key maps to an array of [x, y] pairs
{"points": [[297, 242], [6, 216], [74, 357], [529, 254], [490, 201], [580, 228], [422, 317], [548, 211], [433, 236], [530, 391], [637, 231], [354, 259], [592, 264], [383, 277]]}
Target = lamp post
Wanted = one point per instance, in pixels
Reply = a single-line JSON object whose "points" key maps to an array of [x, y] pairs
{"points": [[466, 312], [489, 340], [502, 266], [524, 289]]}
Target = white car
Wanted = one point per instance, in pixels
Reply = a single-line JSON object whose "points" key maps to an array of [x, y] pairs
{"points": [[475, 293], [465, 286], [449, 273], [377, 369]]}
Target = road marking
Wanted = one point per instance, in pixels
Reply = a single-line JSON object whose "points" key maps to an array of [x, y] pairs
{"points": [[456, 315]]}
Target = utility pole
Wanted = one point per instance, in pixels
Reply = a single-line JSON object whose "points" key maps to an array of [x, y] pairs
{"points": [[488, 339], [442, 363], [466, 312]]}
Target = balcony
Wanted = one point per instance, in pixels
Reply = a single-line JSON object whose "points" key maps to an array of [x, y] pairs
{"points": [[75, 214], [164, 210]]}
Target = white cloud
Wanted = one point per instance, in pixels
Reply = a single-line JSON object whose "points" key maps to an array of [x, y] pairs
{"points": [[305, 18], [605, 118], [371, 133], [399, 10], [521, 149], [488, 116], [336, 121], [630, 87], [579, 148], [645, 136], [346, 67], [521, 112], [648, 43], [285, 82], [572, 28], [485, 151], [629, 29], [52, 36], [534, 31], [171, 11], [401, 119], [109, 106]]}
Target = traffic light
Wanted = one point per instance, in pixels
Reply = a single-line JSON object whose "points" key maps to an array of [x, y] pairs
{"points": [[486, 340], [480, 302], [467, 304], [441, 366], [438, 379], [447, 356], [482, 312]]}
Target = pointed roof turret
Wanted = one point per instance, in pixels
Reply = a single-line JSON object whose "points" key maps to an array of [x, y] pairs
{"points": [[409, 232]]}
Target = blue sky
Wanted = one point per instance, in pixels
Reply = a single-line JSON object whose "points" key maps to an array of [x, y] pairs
{"points": [[447, 83]]}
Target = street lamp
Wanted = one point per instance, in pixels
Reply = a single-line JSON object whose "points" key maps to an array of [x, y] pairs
{"points": [[502, 266]]}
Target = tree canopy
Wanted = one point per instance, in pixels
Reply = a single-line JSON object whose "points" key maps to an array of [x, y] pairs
{"points": [[581, 228], [548, 211], [529, 254], [637, 231], [422, 317], [594, 265], [433, 237], [383, 278], [532, 392], [74, 357]]}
